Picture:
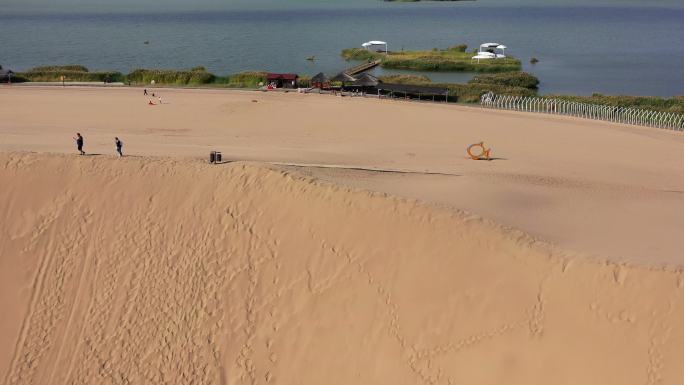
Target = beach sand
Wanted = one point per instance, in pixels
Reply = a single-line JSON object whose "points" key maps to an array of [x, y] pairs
{"points": [[160, 268], [611, 190]]}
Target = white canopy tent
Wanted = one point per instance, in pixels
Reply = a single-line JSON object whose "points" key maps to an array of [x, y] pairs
{"points": [[369, 44], [484, 55], [485, 51], [489, 45]]}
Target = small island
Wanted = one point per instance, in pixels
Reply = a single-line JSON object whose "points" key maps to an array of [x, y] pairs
{"points": [[454, 59]]}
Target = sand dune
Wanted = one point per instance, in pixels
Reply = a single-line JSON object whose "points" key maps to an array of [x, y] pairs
{"points": [[159, 271], [611, 190]]}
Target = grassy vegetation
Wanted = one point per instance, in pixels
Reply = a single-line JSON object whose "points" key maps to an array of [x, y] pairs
{"points": [[71, 68], [195, 76], [472, 92], [454, 59], [73, 73], [514, 83], [406, 79], [675, 104], [243, 80], [198, 76], [511, 79]]}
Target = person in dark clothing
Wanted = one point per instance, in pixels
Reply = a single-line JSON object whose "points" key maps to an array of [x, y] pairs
{"points": [[79, 143], [145, 92], [119, 145]]}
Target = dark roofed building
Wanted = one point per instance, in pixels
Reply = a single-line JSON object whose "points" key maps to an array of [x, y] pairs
{"points": [[6, 75], [343, 77], [410, 90], [320, 80], [282, 80], [365, 80]]}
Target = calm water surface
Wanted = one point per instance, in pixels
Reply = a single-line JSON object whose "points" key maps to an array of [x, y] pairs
{"points": [[609, 46]]}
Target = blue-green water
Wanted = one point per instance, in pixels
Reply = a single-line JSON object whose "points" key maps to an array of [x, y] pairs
{"points": [[608, 46]]}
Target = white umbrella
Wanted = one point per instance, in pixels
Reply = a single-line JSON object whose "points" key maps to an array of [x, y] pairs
{"points": [[371, 43]]}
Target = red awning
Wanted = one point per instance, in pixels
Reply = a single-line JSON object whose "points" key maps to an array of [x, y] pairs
{"points": [[282, 77]]}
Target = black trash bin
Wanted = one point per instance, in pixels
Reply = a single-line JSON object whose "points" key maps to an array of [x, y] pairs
{"points": [[218, 157], [212, 157]]}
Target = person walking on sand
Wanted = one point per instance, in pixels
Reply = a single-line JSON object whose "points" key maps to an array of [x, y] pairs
{"points": [[119, 145], [79, 143], [160, 99], [145, 92]]}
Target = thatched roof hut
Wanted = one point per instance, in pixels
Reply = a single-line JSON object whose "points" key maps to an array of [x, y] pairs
{"points": [[344, 78], [320, 78], [366, 80], [5, 74]]}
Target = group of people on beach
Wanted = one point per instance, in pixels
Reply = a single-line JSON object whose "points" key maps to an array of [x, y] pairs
{"points": [[117, 142], [151, 103], [80, 142]]}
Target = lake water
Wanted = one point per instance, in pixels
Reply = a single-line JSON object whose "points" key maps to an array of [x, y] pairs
{"points": [[607, 46]]}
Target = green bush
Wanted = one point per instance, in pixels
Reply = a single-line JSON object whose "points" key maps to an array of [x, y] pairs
{"points": [[441, 63], [191, 77], [66, 68], [360, 54], [250, 79], [674, 104], [72, 73], [406, 79], [459, 48], [512, 79], [472, 92]]}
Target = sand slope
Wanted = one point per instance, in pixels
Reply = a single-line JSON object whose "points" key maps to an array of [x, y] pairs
{"points": [[612, 190], [149, 271]]}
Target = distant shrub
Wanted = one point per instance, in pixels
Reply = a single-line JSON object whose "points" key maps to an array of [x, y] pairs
{"points": [[459, 48], [511, 79], [249, 79], [73, 73], [406, 79], [304, 81], [472, 92], [173, 77], [65, 68], [445, 63], [359, 54], [674, 104]]}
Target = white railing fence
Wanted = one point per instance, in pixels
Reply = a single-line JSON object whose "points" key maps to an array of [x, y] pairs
{"points": [[641, 117]]}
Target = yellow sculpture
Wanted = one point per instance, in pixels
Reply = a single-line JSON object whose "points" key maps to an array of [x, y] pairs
{"points": [[485, 153]]}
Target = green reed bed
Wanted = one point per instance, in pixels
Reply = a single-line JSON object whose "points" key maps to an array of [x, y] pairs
{"points": [[194, 76], [454, 59], [513, 83], [71, 73], [653, 103]]}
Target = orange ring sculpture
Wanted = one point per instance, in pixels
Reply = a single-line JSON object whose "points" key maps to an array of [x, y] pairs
{"points": [[485, 153]]}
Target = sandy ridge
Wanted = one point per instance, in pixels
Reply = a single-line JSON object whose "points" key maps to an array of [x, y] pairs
{"points": [[178, 272]]}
